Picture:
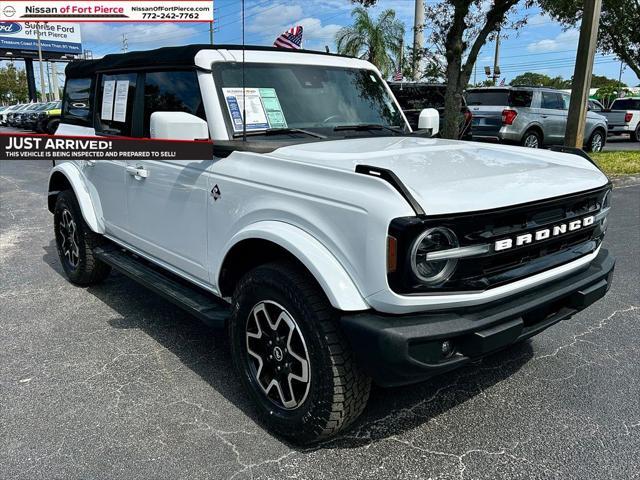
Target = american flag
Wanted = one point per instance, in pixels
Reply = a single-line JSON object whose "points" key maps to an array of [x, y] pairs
{"points": [[292, 38], [397, 77], [502, 82]]}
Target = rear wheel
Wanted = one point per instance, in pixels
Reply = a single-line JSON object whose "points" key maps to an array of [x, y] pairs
{"points": [[76, 243], [531, 139], [635, 135], [596, 141], [292, 356]]}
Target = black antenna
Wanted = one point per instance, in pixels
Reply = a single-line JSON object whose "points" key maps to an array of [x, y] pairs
{"points": [[244, 98]]}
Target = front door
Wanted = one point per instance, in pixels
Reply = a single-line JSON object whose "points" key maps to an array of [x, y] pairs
{"points": [[106, 184], [168, 212]]}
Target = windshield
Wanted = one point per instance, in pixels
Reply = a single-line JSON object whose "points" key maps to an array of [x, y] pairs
{"points": [[318, 99]]}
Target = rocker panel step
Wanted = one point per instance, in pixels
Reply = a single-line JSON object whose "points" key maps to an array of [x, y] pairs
{"points": [[199, 303]]}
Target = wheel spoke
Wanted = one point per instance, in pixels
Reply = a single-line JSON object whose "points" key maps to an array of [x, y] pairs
{"points": [[278, 355]]}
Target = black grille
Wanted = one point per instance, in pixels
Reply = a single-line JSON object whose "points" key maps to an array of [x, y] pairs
{"points": [[497, 268]]}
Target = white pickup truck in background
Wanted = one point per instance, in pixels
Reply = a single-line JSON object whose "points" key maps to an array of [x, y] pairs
{"points": [[624, 117]]}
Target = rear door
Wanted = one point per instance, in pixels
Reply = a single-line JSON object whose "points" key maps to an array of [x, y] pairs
{"points": [[105, 178], [553, 117]]}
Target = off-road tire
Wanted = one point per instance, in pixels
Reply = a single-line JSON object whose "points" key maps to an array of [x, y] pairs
{"points": [[338, 390], [525, 139], [589, 147], [89, 270], [635, 135]]}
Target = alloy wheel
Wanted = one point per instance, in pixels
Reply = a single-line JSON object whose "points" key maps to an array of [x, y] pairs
{"points": [[278, 356], [531, 141], [596, 142], [68, 235]]}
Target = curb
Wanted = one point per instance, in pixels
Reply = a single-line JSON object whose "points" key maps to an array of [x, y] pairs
{"points": [[623, 181]]}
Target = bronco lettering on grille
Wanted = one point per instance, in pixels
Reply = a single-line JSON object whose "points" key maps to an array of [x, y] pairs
{"points": [[543, 234]]}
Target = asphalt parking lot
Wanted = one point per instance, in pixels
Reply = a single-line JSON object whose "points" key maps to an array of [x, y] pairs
{"points": [[112, 382]]}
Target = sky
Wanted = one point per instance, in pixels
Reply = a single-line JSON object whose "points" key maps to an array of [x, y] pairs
{"points": [[541, 46]]}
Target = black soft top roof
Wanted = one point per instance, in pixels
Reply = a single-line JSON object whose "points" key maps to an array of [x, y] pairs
{"points": [[182, 56]]}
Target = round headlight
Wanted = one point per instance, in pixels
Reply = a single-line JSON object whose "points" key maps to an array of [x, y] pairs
{"points": [[430, 271]]}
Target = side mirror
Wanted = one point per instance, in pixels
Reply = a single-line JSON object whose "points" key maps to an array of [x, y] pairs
{"points": [[178, 126], [429, 120]]}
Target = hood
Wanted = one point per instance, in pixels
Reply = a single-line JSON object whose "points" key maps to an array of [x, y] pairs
{"points": [[447, 176]]}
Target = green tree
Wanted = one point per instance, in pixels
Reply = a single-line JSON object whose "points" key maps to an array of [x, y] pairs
{"points": [[13, 84], [619, 31], [431, 65], [540, 80], [609, 93], [377, 40], [598, 81], [463, 27]]}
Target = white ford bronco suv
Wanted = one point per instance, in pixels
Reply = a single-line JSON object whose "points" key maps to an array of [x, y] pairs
{"points": [[336, 246]]}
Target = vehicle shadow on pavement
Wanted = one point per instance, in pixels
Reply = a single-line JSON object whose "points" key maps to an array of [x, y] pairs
{"points": [[206, 352]]}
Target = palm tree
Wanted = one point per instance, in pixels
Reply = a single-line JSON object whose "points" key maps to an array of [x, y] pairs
{"points": [[378, 41]]}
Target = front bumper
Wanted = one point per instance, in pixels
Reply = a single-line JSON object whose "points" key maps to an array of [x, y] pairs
{"points": [[403, 349]]}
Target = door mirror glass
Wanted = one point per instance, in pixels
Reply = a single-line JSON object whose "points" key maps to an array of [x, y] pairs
{"points": [[178, 126], [429, 120]]}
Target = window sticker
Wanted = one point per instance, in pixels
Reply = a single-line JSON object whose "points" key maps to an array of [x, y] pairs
{"points": [[263, 108], [107, 100], [256, 116], [120, 104], [272, 108]]}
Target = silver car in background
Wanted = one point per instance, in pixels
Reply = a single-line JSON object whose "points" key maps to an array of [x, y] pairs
{"points": [[529, 116]]}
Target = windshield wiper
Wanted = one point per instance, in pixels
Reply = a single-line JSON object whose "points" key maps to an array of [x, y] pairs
{"points": [[367, 126], [278, 131]]}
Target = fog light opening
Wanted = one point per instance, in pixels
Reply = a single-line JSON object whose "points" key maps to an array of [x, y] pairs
{"points": [[447, 349]]}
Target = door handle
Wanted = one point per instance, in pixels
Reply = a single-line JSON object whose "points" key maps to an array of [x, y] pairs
{"points": [[138, 173], [544, 116]]}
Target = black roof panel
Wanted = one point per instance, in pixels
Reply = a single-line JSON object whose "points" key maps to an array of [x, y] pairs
{"points": [[182, 56]]}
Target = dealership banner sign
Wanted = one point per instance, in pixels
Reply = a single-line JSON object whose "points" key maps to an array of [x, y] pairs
{"points": [[63, 147], [54, 37], [107, 11]]}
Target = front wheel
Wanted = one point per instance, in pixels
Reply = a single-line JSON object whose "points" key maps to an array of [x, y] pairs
{"points": [[292, 356], [596, 142]]}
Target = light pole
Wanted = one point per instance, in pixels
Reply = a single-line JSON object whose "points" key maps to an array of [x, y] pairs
{"points": [[576, 119], [418, 38], [42, 88]]}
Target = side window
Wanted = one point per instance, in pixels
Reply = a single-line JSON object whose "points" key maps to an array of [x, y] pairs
{"points": [[76, 104], [566, 100], [520, 98], [114, 103], [552, 100], [172, 91]]}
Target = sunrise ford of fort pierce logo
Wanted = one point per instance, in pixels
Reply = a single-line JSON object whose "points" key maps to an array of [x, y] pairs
{"points": [[7, 28]]}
